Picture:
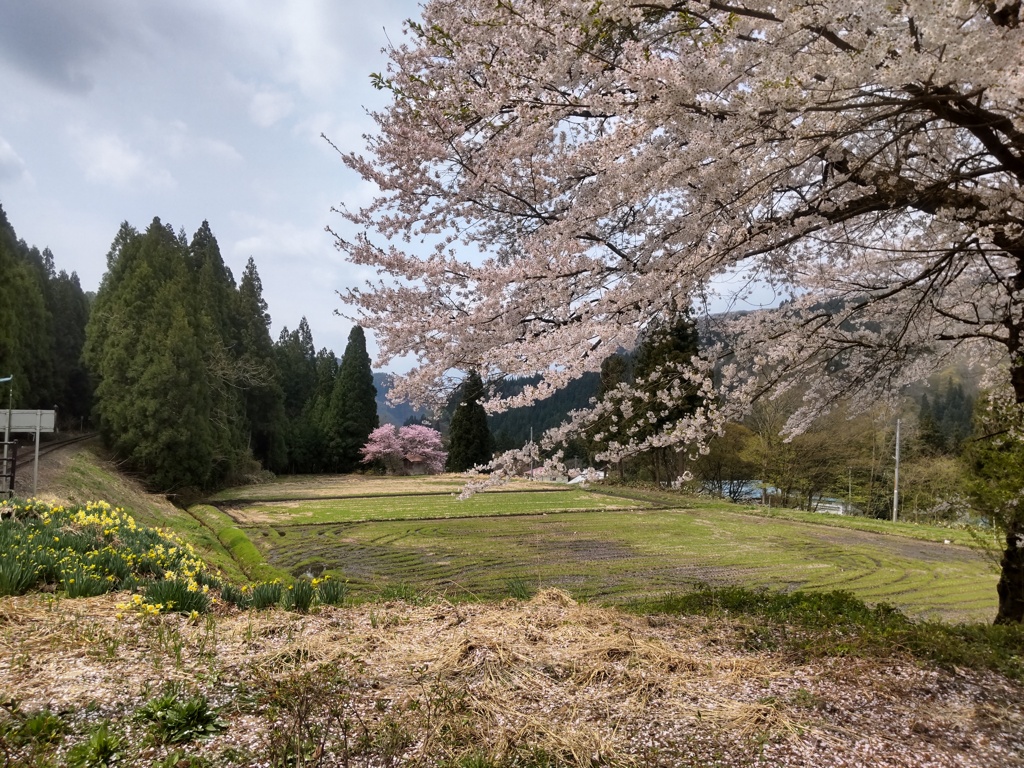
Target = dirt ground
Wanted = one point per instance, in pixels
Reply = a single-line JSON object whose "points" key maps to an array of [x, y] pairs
{"points": [[52, 466]]}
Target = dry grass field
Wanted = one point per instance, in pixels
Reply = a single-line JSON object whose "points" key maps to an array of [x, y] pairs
{"points": [[535, 684]]}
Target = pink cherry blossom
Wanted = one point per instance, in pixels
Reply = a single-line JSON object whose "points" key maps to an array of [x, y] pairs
{"points": [[406, 450]]}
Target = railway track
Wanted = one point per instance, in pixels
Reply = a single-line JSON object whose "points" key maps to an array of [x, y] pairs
{"points": [[27, 453]]}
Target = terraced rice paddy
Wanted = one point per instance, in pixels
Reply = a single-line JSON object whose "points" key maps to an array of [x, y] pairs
{"points": [[600, 547], [334, 486]]}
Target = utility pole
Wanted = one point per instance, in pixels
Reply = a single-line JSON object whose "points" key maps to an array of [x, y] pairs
{"points": [[7, 424], [849, 490], [531, 453], [896, 476]]}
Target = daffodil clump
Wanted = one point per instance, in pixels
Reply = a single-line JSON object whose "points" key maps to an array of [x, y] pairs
{"points": [[96, 548], [299, 596]]}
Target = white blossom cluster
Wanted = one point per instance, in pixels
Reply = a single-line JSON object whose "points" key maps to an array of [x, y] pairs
{"points": [[557, 175]]}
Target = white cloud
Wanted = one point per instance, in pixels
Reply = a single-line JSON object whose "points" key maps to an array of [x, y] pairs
{"points": [[12, 167], [182, 143], [301, 271], [343, 131], [316, 48], [109, 159], [268, 107]]}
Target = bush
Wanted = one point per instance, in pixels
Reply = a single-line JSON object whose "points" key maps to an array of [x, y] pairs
{"points": [[99, 751], [205, 579], [21, 729], [83, 581], [16, 576], [110, 562], [331, 592], [177, 720], [235, 596], [518, 588], [404, 592]]}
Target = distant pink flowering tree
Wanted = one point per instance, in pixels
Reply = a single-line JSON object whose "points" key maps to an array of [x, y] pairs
{"points": [[384, 445], [406, 450], [422, 445]]}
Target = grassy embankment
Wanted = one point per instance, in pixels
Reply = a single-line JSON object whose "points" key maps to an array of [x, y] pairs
{"points": [[86, 476]]}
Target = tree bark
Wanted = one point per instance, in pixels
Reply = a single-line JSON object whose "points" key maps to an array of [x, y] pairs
{"points": [[1011, 579]]}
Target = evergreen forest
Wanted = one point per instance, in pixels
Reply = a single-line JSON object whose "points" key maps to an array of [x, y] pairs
{"points": [[43, 315], [172, 361], [190, 388]]}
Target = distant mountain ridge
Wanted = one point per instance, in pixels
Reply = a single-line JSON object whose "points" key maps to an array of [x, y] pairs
{"points": [[397, 413]]}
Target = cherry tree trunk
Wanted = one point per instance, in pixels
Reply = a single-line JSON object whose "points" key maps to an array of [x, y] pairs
{"points": [[1011, 580]]}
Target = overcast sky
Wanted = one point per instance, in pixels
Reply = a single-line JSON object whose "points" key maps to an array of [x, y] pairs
{"points": [[122, 110]]}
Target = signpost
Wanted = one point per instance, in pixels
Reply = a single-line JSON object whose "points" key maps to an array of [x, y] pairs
{"points": [[28, 421]]}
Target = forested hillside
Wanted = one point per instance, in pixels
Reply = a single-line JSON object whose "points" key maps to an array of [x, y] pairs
{"points": [[511, 429], [43, 314], [392, 413]]}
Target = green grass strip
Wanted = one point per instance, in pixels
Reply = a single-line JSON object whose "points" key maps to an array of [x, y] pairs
{"points": [[422, 507], [921, 531], [975, 538], [248, 558]]}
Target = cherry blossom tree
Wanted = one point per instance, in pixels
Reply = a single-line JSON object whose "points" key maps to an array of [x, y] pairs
{"points": [[384, 446], [557, 177], [406, 449], [422, 445]]}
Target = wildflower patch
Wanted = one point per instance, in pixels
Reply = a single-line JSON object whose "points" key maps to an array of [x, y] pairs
{"points": [[95, 548]]}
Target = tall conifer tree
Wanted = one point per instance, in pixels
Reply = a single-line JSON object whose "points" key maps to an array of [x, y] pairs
{"points": [[70, 312], [469, 438], [352, 414], [26, 330], [264, 401], [296, 363], [159, 343]]}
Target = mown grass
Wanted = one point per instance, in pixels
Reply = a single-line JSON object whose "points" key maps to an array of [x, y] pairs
{"points": [[616, 556], [318, 486], [836, 623], [981, 539], [923, 532], [422, 507]]}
